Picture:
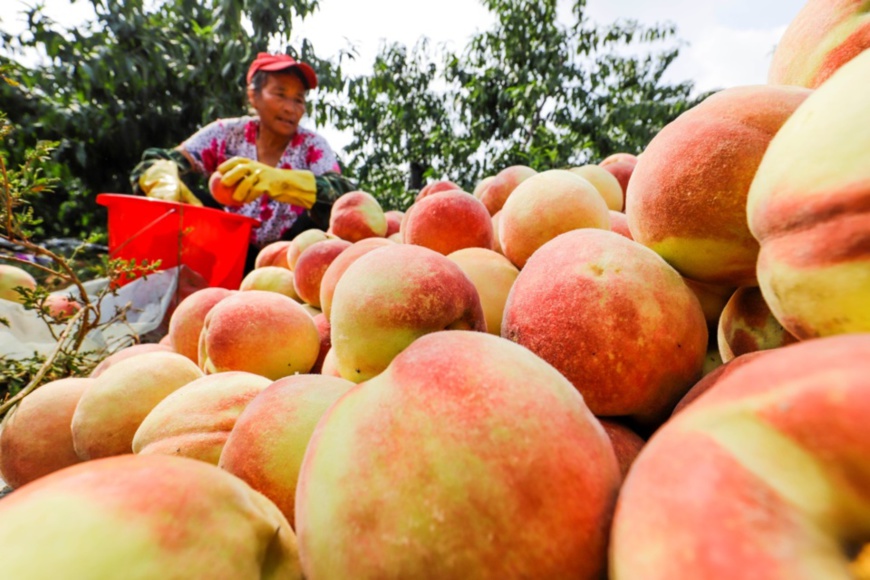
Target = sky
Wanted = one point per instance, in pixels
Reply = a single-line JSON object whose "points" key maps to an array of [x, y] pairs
{"points": [[727, 42]]}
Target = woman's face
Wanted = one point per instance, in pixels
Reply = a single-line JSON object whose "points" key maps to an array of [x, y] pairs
{"points": [[280, 104]]}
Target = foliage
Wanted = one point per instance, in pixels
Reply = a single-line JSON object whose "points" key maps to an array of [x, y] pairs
{"points": [[530, 91], [19, 188], [142, 74]]}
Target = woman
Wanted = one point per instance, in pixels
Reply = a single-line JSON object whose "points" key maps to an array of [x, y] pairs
{"points": [[285, 175]]}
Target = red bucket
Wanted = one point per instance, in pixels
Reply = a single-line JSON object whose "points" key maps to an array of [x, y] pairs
{"points": [[212, 242]]}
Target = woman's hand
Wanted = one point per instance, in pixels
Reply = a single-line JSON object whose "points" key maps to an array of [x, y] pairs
{"points": [[252, 179], [161, 181]]}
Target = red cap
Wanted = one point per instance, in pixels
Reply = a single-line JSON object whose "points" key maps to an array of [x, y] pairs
{"points": [[279, 62]]}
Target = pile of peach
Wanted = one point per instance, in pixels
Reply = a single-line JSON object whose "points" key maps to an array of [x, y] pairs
{"points": [[657, 366]]}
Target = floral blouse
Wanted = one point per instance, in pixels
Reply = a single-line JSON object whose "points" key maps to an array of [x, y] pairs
{"points": [[227, 138]]}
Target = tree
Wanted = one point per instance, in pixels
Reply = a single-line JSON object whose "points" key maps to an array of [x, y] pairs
{"points": [[143, 74], [530, 91]]}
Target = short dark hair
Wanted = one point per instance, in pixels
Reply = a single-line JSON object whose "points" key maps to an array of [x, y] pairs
{"points": [[258, 81]]}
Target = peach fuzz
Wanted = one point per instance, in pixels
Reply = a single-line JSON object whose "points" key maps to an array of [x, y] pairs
{"points": [[271, 279], [342, 262], [195, 420], [394, 221], [312, 265], [114, 405], [614, 318], [527, 477], [127, 352], [274, 254], [268, 442], [259, 332], [825, 35], [36, 438], [357, 215], [809, 207], [687, 196], [626, 444], [185, 324], [448, 221], [619, 224], [544, 206], [620, 166], [778, 451], [436, 187], [12, 277], [747, 325], [604, 183], [144, 517], [493, 275], [389, 298], [301, 242], [494, 193]]}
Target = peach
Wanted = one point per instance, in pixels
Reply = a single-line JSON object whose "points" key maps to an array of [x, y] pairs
{"points": [[436, 187], [274, 254], [258, 332], [195, 420], [357, 215], [223, 194], [544, 206], [496, 245], [12, 277], [312, 265], [825, 35], [619, 224], [341, 263], [127, 352], [687, 196], [604, 182], [808, 208], [268, 442], [626, 444], [392, 296], [324, 330], [493, 275], [448, 221], [479, 457], [767, 472], [330, 364], [144, 517], [747, 325], [61, 306], [495, 192], [712, 378], [620, 166], [271, 279], [301, 242], [394, 221], [36, 439], [713, 299], [614, 318], [185, 324], [114, 405]]}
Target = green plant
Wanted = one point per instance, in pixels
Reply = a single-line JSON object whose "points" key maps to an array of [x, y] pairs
{"points": [[19, 186]]}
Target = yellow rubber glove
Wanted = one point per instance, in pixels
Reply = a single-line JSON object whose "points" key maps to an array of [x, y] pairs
{"points": [[253, 179], [161, 181]]}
